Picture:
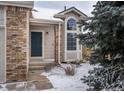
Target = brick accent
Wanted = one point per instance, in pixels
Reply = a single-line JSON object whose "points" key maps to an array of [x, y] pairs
{"points": [[16, 48]]}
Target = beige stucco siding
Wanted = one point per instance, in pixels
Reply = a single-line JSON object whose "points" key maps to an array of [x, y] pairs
{"points": [[49, 43], [2, 55], [48, 40]]}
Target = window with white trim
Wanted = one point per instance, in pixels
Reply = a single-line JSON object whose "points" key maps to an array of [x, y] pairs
{"points": [[71, 41]]}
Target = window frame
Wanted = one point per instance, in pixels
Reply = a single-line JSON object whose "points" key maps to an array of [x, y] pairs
{"points": [[73, 41], [71, 31]]}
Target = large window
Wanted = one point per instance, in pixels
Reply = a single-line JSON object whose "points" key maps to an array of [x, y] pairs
{"points": [[71, 41], [71, 24]]}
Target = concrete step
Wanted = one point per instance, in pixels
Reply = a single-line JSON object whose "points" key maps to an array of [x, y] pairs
{"points": [[37, 65]]}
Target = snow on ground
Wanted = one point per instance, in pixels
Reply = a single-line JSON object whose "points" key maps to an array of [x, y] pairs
{"points": [[62, 82], [59, 80], [3, 87]]}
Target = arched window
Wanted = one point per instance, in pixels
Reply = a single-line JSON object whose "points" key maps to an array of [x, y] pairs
{"points": [[71, 24]]}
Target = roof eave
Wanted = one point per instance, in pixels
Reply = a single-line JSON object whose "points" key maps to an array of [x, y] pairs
{"points": [[61, 14], [40, 21]]}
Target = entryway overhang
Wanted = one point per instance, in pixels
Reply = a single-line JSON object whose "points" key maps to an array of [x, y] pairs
{"points": [[34, 21]]}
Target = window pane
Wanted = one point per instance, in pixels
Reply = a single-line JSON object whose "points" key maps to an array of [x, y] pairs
{"points": [[71, 41], [71, 24]]}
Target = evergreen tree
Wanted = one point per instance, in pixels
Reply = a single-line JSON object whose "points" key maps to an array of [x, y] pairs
{"points": [[107, 33]]}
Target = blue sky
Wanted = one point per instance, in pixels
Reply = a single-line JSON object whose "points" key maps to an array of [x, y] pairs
{"points": [[46, 9]]}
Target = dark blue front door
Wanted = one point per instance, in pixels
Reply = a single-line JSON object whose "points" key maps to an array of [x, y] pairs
{"points": [[36, 44]]}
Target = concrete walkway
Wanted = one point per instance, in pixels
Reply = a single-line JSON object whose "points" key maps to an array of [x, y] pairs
{"points": [[41, 82]]}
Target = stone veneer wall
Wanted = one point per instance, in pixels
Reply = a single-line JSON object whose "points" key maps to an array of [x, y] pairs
{"points": [[16, 48], [62, 42]]}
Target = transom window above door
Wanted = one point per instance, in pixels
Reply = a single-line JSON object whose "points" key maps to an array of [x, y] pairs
{"points": [[71, 24]]}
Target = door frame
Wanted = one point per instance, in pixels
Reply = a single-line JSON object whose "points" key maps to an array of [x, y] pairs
{"points": [[42, 44]]}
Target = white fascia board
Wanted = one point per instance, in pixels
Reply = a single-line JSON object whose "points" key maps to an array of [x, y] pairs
{"points": [[32, 20]]}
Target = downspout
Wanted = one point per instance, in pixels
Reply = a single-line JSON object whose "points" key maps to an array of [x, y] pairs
{"points": [[59, 44], [5, 22]]}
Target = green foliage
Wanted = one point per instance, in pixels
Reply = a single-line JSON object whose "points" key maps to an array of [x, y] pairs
{"points": [[109, 78], [107, 24], [105, 29], [87, 39]]}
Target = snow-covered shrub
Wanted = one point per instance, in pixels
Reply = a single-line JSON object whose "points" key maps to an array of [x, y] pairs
{"points": [[108, 78], [70, 69], [48, 67], [77, 63]]}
